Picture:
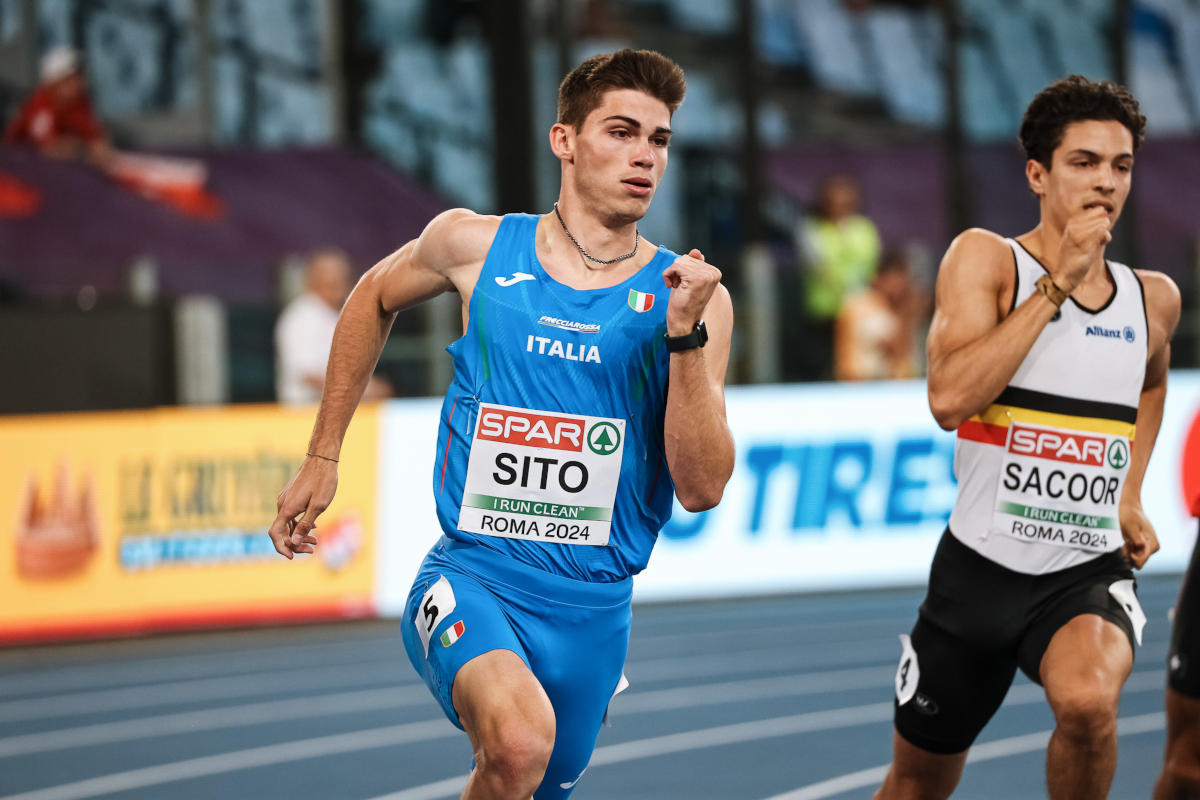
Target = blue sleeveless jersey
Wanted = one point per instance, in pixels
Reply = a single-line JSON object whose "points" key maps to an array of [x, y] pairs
{"points": [[537, 345]]}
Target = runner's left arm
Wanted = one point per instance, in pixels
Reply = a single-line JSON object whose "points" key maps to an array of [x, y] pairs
{"points": [[699, 445], [1162, 313]]}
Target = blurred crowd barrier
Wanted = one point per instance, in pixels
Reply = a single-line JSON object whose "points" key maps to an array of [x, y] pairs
{"points": [[131, 522]]}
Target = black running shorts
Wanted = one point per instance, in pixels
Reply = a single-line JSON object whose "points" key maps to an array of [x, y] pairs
{"points": [[979, 622], [1183, 659]]}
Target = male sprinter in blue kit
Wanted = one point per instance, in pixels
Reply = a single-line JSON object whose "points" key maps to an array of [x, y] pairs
{"points": [[561, 445]]}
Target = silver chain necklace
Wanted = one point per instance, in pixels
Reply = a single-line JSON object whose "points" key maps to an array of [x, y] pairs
{"points": [[637, 238]]}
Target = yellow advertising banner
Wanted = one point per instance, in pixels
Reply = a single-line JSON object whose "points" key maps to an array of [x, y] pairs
{"points": [[146, 520]]}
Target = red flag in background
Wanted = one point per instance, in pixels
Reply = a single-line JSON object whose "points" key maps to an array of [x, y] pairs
{"points": [[17, 198], [176, 182]]}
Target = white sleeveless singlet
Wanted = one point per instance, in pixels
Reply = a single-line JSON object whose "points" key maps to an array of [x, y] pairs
{"points": [[1040, 470]]}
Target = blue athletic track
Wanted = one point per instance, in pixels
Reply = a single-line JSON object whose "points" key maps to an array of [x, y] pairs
{"points": [[782, 697]]}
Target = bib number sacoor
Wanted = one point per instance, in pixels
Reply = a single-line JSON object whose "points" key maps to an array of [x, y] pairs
{"points": [[1061, 487], [542, 475]]}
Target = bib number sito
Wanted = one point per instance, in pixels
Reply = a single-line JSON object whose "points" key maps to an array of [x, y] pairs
{"points": [[1061, 487], [542, 476]]}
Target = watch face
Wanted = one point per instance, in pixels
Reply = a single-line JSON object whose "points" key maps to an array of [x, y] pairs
{"points": [[702, 332]]}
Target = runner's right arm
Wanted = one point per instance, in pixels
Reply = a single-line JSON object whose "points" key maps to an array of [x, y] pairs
{"points": [[447, 256], [973, 348], [972, 351]]}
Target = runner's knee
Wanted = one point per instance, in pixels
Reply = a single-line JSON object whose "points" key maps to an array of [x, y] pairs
{"points": [[1086, 710], [516, 749]]}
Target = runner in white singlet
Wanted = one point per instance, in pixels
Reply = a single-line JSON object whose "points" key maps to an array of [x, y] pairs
{"points": [[1050, 361]]}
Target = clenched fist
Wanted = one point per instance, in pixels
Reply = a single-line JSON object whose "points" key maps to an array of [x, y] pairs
{"points": [[1083, 241], [693, 281]]}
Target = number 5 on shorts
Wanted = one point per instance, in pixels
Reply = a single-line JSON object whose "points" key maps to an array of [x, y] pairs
{"points": [[436, 605]]}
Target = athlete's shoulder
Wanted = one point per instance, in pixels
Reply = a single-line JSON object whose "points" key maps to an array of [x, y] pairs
{"points": [[457, 237], [977, 254], [979, 242], [1163, 300]]}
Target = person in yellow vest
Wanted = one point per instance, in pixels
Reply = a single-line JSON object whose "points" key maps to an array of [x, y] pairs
{"points": [[839, 249], [1047, 358]]}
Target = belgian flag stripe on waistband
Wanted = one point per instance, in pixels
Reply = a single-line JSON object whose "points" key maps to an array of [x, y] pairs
{"points": [[1071, 406], [976, 430], [996, 420]]}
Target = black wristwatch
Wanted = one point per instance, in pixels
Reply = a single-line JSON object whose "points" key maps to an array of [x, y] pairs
{"points": [[697, 338]]}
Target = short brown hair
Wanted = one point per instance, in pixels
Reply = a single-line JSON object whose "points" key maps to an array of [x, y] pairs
{"points": [[1076, 99], [644, 70]]}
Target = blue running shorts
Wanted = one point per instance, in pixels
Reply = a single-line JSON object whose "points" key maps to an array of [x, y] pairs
{"points": [[573, 635]]}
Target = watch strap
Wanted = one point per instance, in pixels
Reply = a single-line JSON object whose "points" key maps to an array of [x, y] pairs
{"points": [[689, 341]]}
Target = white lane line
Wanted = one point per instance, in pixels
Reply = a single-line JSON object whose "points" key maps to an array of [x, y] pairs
{"points": [[1001, 748], [843, 783], [742, 732], [213, 719], [796, 607], [450, 787], [135, 671], [688, 740], [708, 694], [763, 659], [780, 629], [762, 729], [388, 698], [319, 747], [174, 693], [398, 734], [33, 678], [181, 674]]}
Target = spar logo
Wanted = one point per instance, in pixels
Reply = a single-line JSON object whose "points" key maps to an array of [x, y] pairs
{"points": [[604, 438], [1072, 448], [513, 426], [1118, 454]]}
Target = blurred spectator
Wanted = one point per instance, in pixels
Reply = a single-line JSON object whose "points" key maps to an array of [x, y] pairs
{"points": [[304, 331], [59, 121], [838, 250], [876, 332], [57, 118]]}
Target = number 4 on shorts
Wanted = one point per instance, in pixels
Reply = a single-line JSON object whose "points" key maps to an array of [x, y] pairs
{"points": [[908, 674]]}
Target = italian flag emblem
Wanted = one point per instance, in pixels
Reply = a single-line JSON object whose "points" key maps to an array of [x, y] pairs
{"points": [[453, 633], [640, 301]]}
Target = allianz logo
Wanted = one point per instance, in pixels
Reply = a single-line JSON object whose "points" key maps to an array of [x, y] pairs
{"points": [[1111, 333], [568, 325]]}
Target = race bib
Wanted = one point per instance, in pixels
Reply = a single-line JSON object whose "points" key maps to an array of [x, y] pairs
{"points": [[1061, 487], [437, 602], [542, 475]]}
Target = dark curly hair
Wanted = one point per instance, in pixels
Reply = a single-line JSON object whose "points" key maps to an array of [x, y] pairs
{"points": [[644, 70], [1075, 99]]}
